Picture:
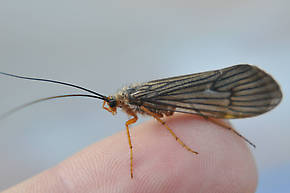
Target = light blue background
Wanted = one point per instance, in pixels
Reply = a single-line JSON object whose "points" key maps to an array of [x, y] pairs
{"points": [[104, 45]]}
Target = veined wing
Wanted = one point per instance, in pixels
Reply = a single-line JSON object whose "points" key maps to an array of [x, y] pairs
{"points": [[234, 92]]}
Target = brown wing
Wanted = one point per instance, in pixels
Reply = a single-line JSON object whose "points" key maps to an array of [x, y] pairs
{"points": [[235, 92]]}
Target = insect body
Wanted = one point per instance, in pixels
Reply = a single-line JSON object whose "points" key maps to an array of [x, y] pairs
{"points": [[235, 92]]}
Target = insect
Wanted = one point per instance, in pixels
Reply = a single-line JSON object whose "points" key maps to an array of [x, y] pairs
{"points": [[239, 91]]}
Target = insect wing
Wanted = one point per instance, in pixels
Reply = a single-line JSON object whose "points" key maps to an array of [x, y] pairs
{"points": [[234, 92]]}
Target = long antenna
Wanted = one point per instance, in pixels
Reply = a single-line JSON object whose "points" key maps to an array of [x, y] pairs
{"points": [[45, 99], [57, 82]]}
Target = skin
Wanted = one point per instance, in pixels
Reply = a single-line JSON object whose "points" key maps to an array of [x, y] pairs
{"points": [[224, 163]]}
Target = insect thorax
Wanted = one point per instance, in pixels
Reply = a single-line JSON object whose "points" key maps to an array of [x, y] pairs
{"points": [[125, 101], [132, 105]]}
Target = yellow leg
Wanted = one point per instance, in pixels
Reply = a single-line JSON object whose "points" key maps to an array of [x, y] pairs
{"points": [[129, 122], [224, 125], [170, 130], [111, 110], [104, 103]]}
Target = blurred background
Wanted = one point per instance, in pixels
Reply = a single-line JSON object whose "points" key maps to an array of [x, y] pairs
{"points": [[105, 45]]}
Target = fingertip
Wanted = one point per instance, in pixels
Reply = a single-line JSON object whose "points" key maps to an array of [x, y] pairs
{"points": [[223, 162]]}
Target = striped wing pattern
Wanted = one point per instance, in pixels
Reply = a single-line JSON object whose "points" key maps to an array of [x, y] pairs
{"points": [[234, 92]]}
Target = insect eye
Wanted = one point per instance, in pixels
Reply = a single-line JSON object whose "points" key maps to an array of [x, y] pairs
{"points": [[112, 103]]}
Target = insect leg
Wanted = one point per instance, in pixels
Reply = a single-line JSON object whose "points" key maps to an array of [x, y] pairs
{"points": [[224, 125], [170, 130], [129, 122], [106, 108]]}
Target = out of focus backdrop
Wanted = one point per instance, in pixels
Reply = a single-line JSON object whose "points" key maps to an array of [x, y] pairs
{"points": [[105, 45]]}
